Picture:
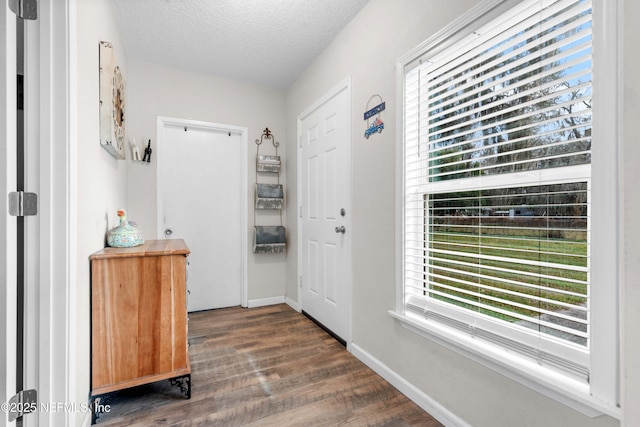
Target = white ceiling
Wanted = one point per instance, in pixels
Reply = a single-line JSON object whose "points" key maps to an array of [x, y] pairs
{"points": [[265, 42]]}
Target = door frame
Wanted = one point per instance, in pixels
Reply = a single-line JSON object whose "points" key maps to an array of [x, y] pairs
{"points": [[51, 358], [344, 85], [58, 258], [170, 121]]}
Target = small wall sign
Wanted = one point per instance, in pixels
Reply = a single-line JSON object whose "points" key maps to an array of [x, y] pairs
{"points": [[375, 110], [372, 116]]}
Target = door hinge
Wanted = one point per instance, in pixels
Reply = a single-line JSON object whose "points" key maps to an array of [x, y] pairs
{"points": [[300, 211], [24, 402], [300, 277], [300, 141], [23, 204], [25, 9]]}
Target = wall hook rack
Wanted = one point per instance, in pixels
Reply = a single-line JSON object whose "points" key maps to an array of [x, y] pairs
{"points": [[268, 238]]}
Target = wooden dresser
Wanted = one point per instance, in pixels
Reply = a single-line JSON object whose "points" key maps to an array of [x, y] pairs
{"points": [[139, 316]]}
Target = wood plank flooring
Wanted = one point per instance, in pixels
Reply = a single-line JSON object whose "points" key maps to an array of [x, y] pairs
{"points": [[266, 366]]}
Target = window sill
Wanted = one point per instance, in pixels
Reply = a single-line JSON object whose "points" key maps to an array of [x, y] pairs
{"points": [[549, 383]]}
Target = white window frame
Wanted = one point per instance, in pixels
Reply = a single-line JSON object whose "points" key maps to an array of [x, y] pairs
{"points": [[601, 395]]}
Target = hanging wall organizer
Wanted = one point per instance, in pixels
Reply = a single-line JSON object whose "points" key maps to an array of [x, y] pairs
{"points": [[268, 238]]}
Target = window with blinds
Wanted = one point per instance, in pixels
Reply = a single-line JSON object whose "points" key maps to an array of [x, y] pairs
{"points": [[497, 182]]}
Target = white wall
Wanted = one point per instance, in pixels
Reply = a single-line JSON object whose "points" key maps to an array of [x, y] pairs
{"points": [[153, 91], [367, 50], [102, 180]]}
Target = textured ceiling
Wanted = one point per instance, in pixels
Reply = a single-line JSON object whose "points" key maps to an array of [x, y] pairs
{"points": [[265, 42]]}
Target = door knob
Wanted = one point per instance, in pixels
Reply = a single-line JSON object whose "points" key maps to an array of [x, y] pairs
{"points": [[340, 229], [168, 232]]}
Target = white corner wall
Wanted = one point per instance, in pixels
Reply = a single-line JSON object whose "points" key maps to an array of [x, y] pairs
{"points": [[461, 390], [102, 180], [154, 90]]}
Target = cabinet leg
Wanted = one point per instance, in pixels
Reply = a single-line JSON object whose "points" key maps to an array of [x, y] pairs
{"points": [[98, 406], [184, 383], [94, 416]]}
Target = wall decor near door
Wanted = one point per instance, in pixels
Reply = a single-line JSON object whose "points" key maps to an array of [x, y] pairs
{"points": [[375, 126], [268, 238], [112, 130]]}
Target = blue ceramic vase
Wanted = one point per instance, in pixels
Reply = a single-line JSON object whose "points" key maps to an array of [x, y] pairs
{"points": [[126, 235]]}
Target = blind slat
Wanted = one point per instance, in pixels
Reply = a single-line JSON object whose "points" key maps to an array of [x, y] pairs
{"points": [[504, 302], [503, 77], [501, 311], [510, 271]]}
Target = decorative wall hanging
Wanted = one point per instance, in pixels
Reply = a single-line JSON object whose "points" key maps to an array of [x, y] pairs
{"points": [[268, 164], [112, 103], [265, 163], [372, 117], [147, 153], [269, 196], [135, 153], [268, 238]]}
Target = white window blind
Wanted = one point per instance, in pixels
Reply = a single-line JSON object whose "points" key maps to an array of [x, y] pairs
{"points": [[497, 183]]}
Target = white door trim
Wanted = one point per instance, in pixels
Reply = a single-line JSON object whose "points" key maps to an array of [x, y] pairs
{"points": [[343, 85], [58, 355], [170, 121]]}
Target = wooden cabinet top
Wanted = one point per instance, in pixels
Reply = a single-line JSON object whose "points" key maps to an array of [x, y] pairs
{"points": [[148, 248]]}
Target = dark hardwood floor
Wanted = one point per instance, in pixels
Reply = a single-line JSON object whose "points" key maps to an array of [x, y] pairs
{"points": [[266, 366]]}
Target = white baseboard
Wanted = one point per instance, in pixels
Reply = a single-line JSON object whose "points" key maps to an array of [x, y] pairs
{"points": [[265, 301], [293, 304], [421, 399]]}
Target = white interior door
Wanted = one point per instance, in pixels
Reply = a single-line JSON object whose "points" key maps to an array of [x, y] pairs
{"points": [[202, 186], [324, 194], [20, 231], [42, 124]]}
